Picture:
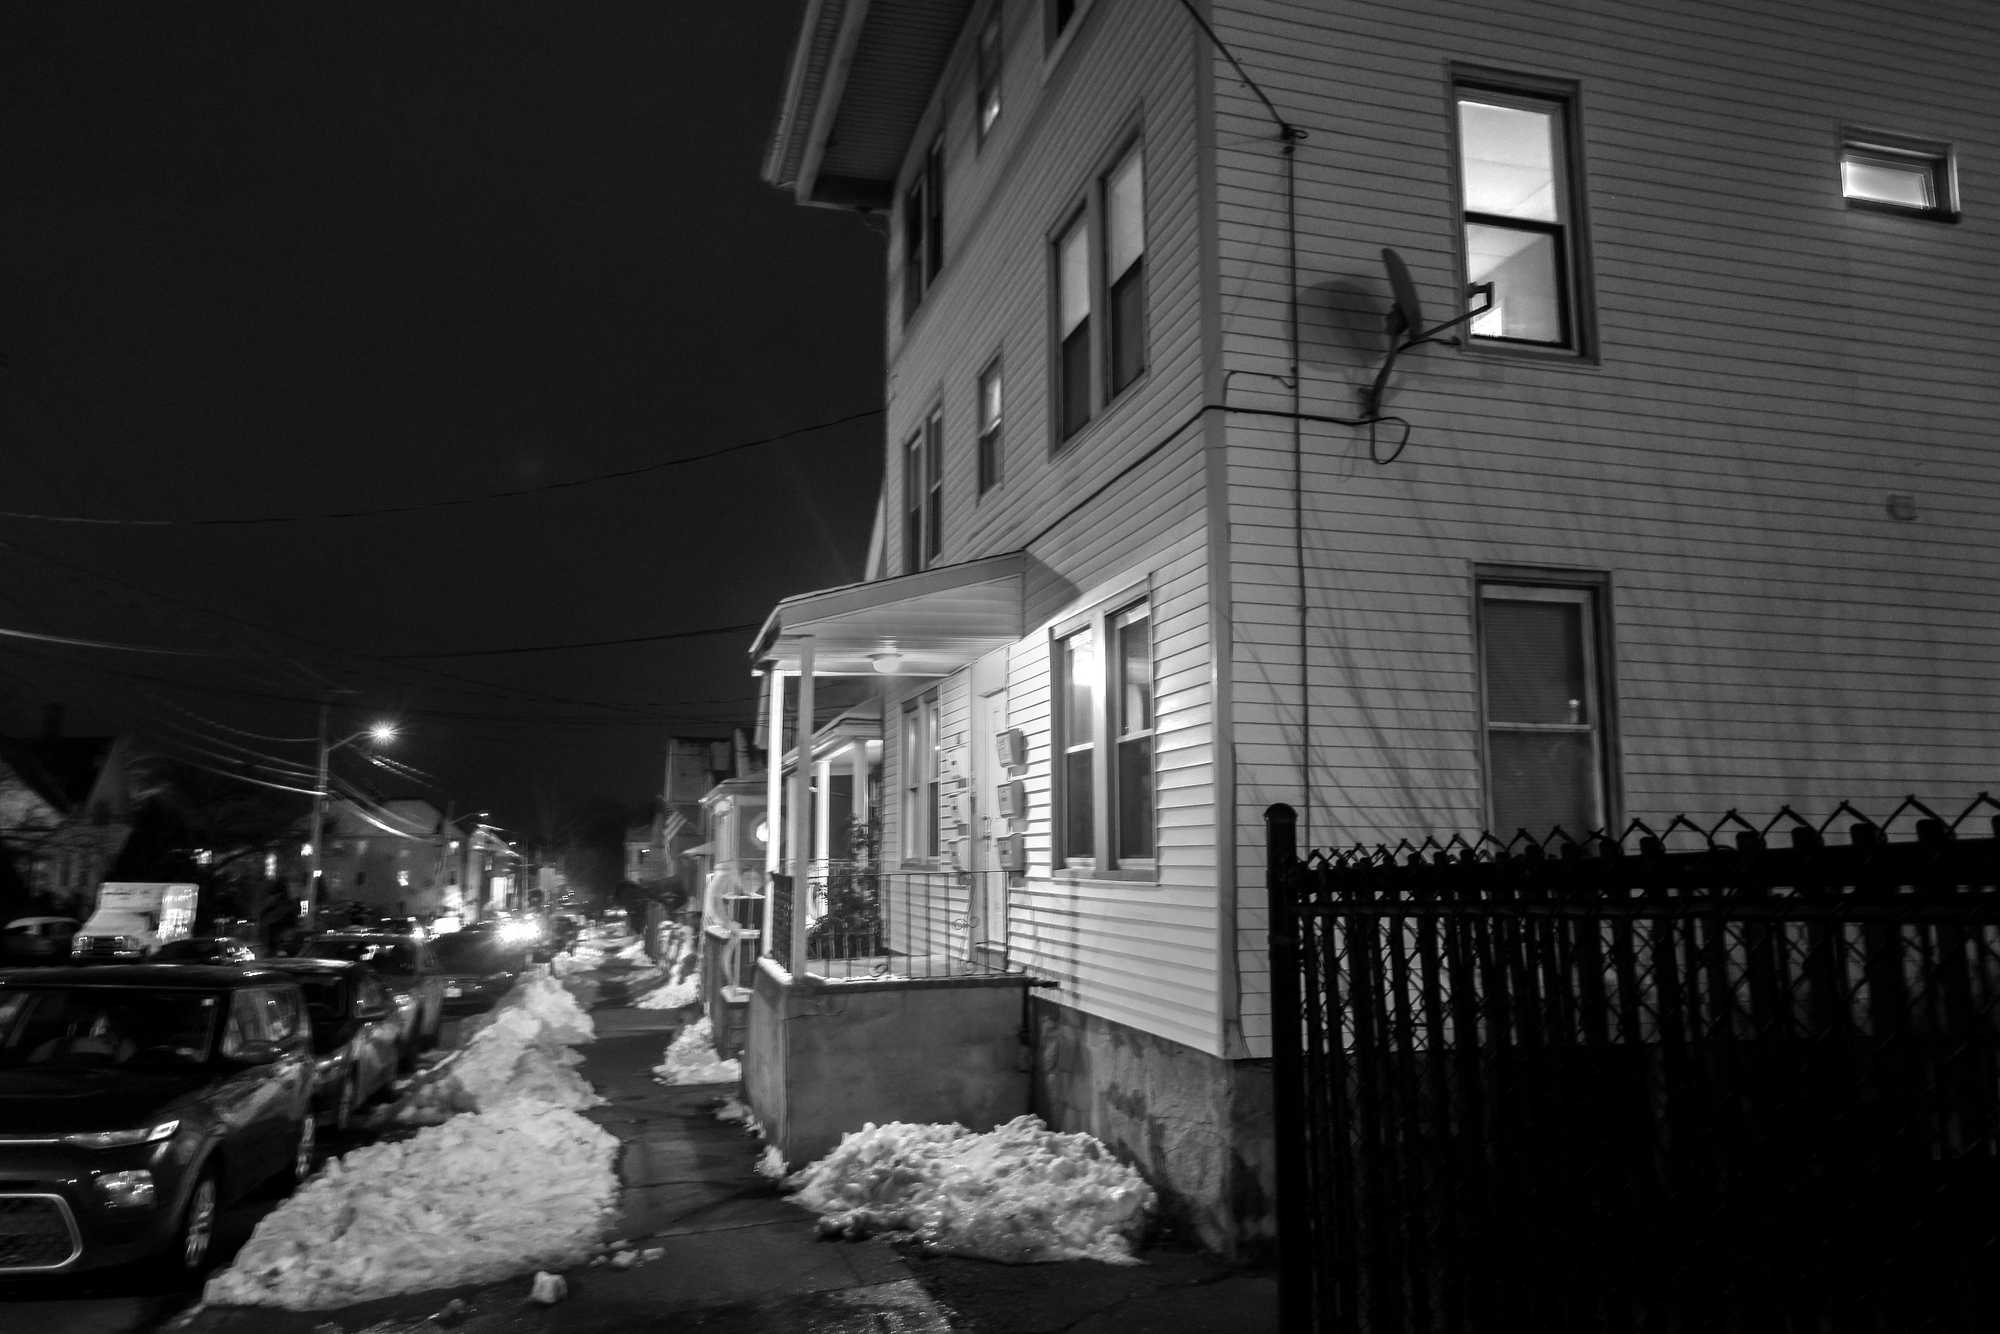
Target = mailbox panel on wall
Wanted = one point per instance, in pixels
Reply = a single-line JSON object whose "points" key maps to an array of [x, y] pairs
{"points": [[1011, 800], [1012, 746], [1012, 852]]}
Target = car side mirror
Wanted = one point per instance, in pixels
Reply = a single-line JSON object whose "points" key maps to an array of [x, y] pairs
{"points": [[257, 1053]]}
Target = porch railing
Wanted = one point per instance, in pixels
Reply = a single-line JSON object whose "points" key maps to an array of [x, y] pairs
{"points": [[865, 924]]}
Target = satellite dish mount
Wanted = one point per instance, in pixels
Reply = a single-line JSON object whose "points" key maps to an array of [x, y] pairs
{"points": [[1406, 325]]}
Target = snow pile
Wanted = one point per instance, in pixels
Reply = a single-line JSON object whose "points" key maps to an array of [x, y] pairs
{"points": [[1019, 1193], [691, 1058], [452, 1204], [519, 1052], [672, 995]]}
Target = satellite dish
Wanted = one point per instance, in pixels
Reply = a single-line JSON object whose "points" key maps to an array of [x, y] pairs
{"points": [[1409, 311]]}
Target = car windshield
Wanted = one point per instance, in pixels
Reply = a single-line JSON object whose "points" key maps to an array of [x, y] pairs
{"points": [[391, 956], [137, 1027], [196, 951]]}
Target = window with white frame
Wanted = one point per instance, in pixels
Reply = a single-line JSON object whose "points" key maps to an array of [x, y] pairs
{"points": [[923, 493], [991, 417], [1099, 262], [921, 790], [923, 230], [1518, 181], [1103, 743], [986, 112], [1540, 655], [1897, 175]]}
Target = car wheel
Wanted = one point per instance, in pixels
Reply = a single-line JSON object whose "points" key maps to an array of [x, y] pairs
{"points": [[436, 1030], [343, 1106], [196, 1233], [406, 1056]]}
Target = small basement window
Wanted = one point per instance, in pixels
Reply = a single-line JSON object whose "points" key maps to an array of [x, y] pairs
{"points": [[1897, 176]]}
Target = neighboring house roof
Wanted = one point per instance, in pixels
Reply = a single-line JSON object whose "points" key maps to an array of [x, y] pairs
{"points": [[859, 83], [60, 770]]}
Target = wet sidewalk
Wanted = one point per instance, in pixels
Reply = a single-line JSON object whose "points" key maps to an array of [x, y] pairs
{"points": [[736, 1258]]}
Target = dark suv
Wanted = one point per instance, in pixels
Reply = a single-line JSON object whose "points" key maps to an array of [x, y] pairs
{"points": [[136, 1100]]}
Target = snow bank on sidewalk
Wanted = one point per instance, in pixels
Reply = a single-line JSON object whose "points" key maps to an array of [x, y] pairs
{"points": [[691, 1058], [1019, 1193], [517, 1050], [672, 995], [481, 1197]]}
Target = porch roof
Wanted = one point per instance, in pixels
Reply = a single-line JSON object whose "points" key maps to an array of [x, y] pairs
{"points": [[860, 80], [937, 621]]}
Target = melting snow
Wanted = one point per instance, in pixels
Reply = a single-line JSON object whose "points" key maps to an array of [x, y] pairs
{"points": [[672, 995], [452, 1204], [519, 1050], [1019, 1193], [691, 1058]]}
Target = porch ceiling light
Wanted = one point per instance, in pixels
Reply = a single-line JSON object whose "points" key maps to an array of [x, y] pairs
{"points": [[888, 661]]}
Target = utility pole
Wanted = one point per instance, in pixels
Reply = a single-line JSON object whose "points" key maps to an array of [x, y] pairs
{"points": [[316, 831]]}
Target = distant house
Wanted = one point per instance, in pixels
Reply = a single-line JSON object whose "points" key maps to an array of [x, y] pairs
{"points": [[1654, 472], [394, 858], [66, 811]]}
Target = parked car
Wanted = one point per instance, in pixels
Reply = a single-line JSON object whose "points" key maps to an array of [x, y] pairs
{"points": [[207, 949], [35, 940], [409, 967], [478, 968], [136, 1100], [359, 1035], [401, 926]]}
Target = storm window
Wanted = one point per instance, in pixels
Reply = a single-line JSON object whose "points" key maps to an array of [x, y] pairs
{"points": [[1104, 782], [991, 417], [1897, 176], [923, 493], [923, 230], [991, 43], [1100, 264], [921, 779], [1518, 183], [1540, 666]]}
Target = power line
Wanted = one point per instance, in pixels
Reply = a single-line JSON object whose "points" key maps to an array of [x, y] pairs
{"points": [[420, 507], [582, 643], [105, 643]]}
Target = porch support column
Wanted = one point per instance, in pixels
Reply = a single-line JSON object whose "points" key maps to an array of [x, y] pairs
{"points": [[857, 754], [774, 759], [823, 813], [795, 841]]}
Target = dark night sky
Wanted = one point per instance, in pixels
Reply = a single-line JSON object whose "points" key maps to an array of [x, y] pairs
{"points": [[281, 259]]}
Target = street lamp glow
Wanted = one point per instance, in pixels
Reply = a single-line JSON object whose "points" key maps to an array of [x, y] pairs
{"points": [[383, 732]]}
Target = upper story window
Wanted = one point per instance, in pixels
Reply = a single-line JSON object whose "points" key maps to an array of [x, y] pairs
{"points": [[923, 230], [991, 419], [1103, 739], [923, 493], [992, 44], [1100, 263], [1898, 175], [1519, 184], [921, 778], [1546, 754]]}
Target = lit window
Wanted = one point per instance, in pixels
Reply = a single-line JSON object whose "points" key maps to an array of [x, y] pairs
{"points": [[991, 44], [923, 230], [1517, 178], [1100, 263], [1897, 176], [1545, 744], [991, 409], [921, 778], [1104, 739], [923, 493]]}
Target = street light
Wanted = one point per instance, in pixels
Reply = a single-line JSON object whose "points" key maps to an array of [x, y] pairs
{"points": [[380, 734]]}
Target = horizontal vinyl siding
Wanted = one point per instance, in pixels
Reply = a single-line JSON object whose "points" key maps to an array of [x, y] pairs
{"points": [[1119, 506], [1143, 953], [1771, 366]]}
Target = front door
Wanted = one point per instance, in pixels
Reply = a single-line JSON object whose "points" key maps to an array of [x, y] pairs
{"points": [[986, 940]]}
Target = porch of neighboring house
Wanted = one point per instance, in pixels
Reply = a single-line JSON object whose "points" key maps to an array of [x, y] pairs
{"points": [[881, 989]]}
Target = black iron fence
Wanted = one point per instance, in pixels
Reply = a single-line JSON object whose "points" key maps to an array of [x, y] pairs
{"points": [[1735, 1078], [866, 923]]}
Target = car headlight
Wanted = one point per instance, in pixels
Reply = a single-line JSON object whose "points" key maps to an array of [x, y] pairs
{"points": [[121, 1139], [126, 1190]]}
